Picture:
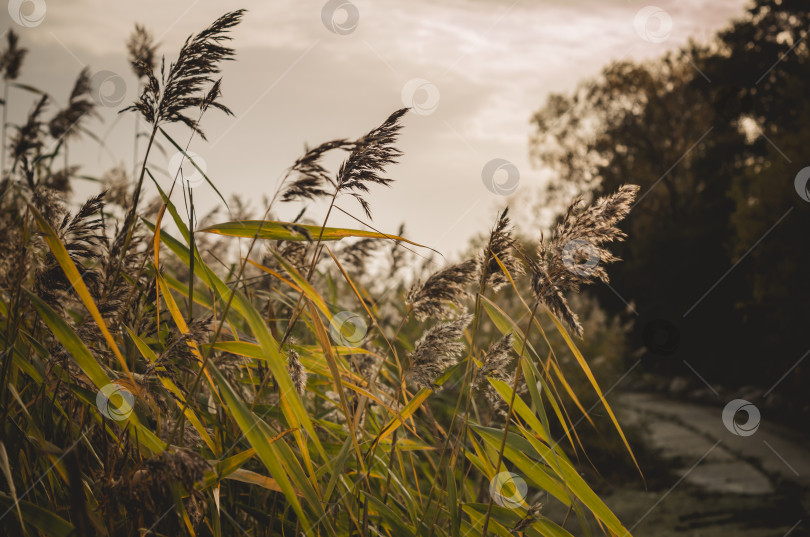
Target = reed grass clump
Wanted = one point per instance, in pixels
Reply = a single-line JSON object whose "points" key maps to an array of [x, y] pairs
{"points": [[154, 382]]}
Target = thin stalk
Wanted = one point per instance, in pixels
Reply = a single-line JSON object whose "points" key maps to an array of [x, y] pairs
{"points": [[464, 384], [135, 138], [313, 263], [509, 412], [5, 119], [191, 257], [296, 310], [129, 221], [223, 317]]}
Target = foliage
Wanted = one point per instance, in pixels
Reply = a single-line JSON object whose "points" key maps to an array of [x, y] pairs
{"points": [[147, 390], [714, 134]]}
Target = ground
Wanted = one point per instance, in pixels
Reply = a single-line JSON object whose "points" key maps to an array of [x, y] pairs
{"points": [[714, 483]]}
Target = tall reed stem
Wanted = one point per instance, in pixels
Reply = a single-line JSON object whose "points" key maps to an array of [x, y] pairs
{"points": [[129, 221], [3, 142], [509, 412]]}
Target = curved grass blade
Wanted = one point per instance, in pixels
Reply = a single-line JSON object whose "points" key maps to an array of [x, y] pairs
{"points": [[267, 453], [42, 519], [88, 364], [412, 406], [179, 398], [288, 231], [75, 278], [587, 370]]}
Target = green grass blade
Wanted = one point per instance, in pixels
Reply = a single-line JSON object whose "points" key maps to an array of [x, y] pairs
{"points": [[288, 231]]}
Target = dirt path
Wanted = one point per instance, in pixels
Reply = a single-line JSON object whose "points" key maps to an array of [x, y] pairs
{"points": [[752, 483]]}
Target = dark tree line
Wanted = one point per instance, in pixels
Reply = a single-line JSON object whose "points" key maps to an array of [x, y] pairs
{"points": [[717, 264]]}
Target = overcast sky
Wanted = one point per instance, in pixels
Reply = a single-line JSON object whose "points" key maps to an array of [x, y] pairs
{"points": [[307, 72]]}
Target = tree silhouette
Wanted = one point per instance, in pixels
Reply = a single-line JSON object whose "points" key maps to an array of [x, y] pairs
{"points": [[715, 134]]}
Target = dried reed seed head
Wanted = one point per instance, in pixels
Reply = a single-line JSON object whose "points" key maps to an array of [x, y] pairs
{"points": [[191, 437], [141, 51], [398, 252], [297, 253], [84, 238], [115, 183], [60, 179], [497, 360], [532, 514], [311, 178], [443, 291], [49, 203], [497, 364], [29, 136], [437, 350], [560, 268], [11, 58], [298, 374], [365, 365], [369, 158], [501, 245], [356, 255], [67, 122], [146, 489], [167, 99]]}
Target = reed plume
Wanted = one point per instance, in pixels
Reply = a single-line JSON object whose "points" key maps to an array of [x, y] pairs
{"points": [[29, 135], [147, 490], [367, 160], [11, 58], [574, 255], [311, 178], [436, 351], [357, 254], [67, 121], [82, 234], [298, 374], [141, 51], [167, 100], [496, 364], [443, 292], [501, 247]]}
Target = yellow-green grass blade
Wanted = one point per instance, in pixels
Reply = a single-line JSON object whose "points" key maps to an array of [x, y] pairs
{"points": [[587, 370], [291, 404], [178, 221], [412, 406], [88, 364], [252, 350], [516, 451], [74, 277], [288, 231], [505, 324], [180, 322], [276, 455], [519, 406], [323, 339], [169, 384], [304, 285], [392, 520], [40, 518], [494, 526], [542, 527], [255, 435], [566, 472]]}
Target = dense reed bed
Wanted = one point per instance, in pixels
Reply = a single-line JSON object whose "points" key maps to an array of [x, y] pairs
{"points": [[195, 383]]}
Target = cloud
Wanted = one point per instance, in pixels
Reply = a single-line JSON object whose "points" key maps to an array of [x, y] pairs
{"points": [[296, 82]]}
